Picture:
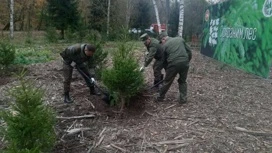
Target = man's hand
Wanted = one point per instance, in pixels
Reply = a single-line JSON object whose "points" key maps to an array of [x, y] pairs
{"points": [[92, 80], [142, 68], [73, 64]]}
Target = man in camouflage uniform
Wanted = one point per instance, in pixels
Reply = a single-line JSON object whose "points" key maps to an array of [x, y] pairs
{"points": [[178, 55], [76, 56], [154, 51]]}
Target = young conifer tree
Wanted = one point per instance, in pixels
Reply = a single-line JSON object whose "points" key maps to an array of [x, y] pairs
{"points": [[100, 55], [29, 123], [124, 79], [7, 54]]}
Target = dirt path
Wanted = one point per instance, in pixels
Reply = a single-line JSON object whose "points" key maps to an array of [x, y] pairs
{"points": [[228, 111]]}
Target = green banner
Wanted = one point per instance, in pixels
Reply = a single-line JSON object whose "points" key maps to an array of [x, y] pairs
{"points": [[239, 33]]}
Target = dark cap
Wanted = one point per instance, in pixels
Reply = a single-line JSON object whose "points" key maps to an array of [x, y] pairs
{"points": [[144, 37], [90, 47], [163, 34]]}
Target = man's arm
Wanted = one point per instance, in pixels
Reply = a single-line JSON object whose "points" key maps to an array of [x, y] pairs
{"points": [[189, 51], [68, 53], [91, 65], [150, 55]]}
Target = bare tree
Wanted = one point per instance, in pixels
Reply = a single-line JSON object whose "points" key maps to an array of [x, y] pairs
{"points": [[214, 1], [11, 19], [181, 17], [108, 18], [167, 12], [128, 13], [157, 15]]}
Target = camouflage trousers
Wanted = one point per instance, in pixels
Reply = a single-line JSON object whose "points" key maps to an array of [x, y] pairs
{"points": [[172, 70], [68, 72]]}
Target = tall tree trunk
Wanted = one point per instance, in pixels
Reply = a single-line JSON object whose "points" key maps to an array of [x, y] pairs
{"points": [[128, 13], [181, 17], [157, 15], [108, 18], [29, 14], [11, 19], [28, 17], [22, 21], [41, 18], [167, 13]]}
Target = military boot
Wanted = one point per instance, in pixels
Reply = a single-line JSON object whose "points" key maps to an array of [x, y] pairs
{"points": [[93, 91], [183, 93], [67, 98], [159, 98]]}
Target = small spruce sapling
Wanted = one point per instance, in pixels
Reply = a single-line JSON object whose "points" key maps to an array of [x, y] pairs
{"points": [[29, 124], [124, 79], [7, 54]]}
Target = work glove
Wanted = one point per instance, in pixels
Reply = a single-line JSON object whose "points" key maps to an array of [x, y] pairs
{"points": [[73, 64], [142, 68], [92, 80]]}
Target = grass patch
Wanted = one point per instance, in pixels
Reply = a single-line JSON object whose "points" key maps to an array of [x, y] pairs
{"points": [[31, 55]]}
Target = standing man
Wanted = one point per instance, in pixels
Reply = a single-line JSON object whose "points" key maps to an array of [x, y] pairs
{"points": [[76, 56], [154, 51], [178, 55]]}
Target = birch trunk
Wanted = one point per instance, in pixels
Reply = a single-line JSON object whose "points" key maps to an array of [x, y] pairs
{"points": [[108, 18], [11, 19], [157, 15], [128, 13], [167, 13], [181, 17]]}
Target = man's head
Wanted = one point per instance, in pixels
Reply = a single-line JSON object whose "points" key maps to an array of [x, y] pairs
{"points": [[162, 37], [145, 38], [89, 50]]}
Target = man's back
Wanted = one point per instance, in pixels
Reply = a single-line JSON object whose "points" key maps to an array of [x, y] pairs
{"points": [[175, 50]]}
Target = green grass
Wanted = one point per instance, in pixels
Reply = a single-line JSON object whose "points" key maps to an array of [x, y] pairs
{"points": [[33, 47], [32, 55]]}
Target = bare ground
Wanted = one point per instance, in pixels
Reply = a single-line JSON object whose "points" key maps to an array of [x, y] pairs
{"points": [[227, 111]]}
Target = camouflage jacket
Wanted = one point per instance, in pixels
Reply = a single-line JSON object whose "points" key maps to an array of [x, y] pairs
{"points": [[154, 51], [75, 54], [176, 50]]}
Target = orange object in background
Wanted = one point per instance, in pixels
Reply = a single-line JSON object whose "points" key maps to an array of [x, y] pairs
{"points": [[155, 27]]}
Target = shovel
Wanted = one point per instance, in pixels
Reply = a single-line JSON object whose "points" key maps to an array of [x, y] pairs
{"points": [[106, 98], [156, 84]]}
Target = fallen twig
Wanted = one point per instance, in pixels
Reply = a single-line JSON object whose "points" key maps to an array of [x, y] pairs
{"points": [[174, 142], [177, 137], [177, 147], [260, 133], [148, 113], [89, 151], [142, 144], [90, 103], [192, 123], [72, 125], [170, 106], [91, 148], [165, 149], [76, 117], [119, 148], [100, 141], [77, 130], [104, 129], [197, 76]]}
